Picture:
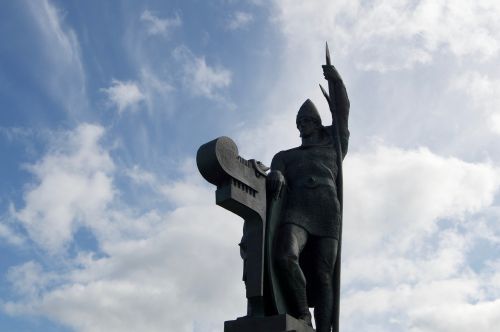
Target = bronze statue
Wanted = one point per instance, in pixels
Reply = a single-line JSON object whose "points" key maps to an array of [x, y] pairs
{"points": [[307, 249], [292, 233]]}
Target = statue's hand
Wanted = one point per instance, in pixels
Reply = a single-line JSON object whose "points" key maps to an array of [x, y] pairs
{"points": [[275, 183], [331, 74]]}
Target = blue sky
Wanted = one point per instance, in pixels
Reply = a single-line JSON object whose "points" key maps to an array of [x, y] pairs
{"points": [[106, 224]]}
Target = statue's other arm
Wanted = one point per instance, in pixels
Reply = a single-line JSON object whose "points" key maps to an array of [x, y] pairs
{"points": [[342, 105], [276, 177]]}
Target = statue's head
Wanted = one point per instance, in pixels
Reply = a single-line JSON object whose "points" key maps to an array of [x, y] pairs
{"points": [[308, 119]]}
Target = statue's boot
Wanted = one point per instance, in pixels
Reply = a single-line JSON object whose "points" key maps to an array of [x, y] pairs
{"points": [[306, 319], [323, 319], [295, 284], [323, 310]]}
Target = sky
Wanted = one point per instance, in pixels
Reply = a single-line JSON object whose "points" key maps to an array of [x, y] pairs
{"points": [[107, 225]]}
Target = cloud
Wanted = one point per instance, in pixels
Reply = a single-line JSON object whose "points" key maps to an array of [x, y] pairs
{"points": [[125, 95], [414, 32], [200, 78], [64, 74], [16, 133], [73, 187], [141, 176], [482, 316], [10, 236], [239, 20], [152, 284], [482, 91], [438, 306], [188, 192], [146, 264], [29, 279], [129, 95], [407, 248], [407, 192], [147, 279], [156, 91], [159, 26]]}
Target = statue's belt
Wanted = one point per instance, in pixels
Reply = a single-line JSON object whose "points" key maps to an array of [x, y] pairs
{"points": [[313, 182]]}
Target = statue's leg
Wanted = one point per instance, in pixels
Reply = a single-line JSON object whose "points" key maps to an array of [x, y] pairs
{"points": [[291, 239], [325, 251]]}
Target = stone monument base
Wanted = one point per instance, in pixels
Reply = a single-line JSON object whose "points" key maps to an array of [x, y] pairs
{"points": [[278, 323]]}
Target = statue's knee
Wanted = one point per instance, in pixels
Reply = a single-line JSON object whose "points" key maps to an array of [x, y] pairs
{"points": [[325, 279], [286, 261]]}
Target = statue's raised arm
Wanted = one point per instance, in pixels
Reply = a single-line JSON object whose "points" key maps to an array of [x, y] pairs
{"points": [[339, 106]]}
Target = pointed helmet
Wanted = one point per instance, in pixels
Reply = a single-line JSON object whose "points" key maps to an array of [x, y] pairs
{"points": [[309, 110]]}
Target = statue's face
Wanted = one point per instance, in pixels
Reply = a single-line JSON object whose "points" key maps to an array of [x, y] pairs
{"points": [[306, 126]]}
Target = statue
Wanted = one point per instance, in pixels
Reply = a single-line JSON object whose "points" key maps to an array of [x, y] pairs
{"points": [[312, 214], [292, 232]]}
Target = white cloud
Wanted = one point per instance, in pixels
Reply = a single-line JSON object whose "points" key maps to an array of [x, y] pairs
{"points": [[181, 193], [141, 176], [155, 90], [153, 284], [63, 73], [160, 26], [150, 89], [399, 254], [438, 306], [14, 133], [200, 78], [126, 95], [239, 20], [153, 84], [10, 236], [149, 281], [29, 279], [413, 31], [145, 274], [407, 192], [482, 90], [74, 186], [459, 317]]}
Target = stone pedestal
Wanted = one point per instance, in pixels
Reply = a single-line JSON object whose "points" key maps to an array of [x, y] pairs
{"points": [[278, 323]]}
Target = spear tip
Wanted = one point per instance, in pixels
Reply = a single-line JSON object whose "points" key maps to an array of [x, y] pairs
{"points": [[327, 51]]}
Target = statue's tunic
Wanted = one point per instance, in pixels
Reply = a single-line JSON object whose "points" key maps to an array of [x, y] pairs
{"points": [[310, 174]]}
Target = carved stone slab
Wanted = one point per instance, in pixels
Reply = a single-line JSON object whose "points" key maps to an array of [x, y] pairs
{"points": [[241, 189]]}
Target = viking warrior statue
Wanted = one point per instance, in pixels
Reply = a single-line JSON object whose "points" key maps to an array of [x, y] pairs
{"points": [[308, 239]]}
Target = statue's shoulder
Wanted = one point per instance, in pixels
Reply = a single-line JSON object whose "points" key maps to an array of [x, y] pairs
{"points": [[282, 158], [286, 153]]}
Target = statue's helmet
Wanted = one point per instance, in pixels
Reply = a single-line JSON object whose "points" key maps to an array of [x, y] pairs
{"points": [[309, 110]]}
